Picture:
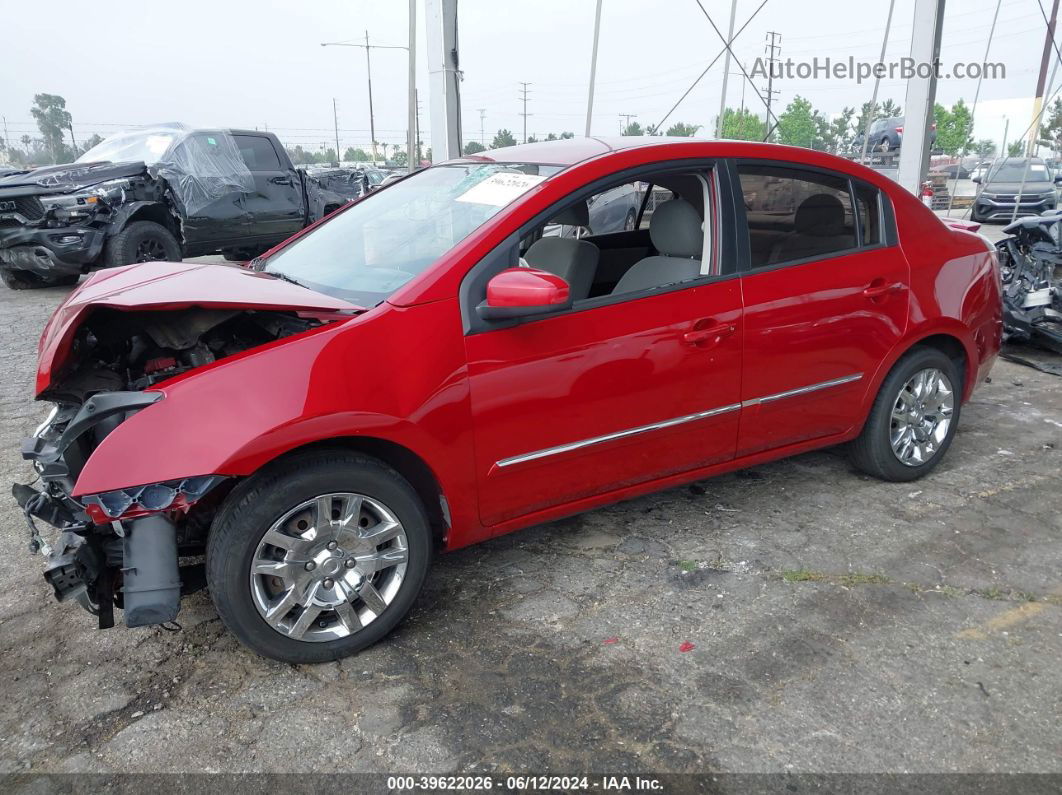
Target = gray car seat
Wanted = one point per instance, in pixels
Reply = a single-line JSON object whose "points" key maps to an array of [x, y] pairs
{"points": [[573, 260], [818, 228], [675, 230]]}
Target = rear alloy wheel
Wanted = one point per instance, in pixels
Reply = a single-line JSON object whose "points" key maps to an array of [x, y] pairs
{"points": [[913, 420], [885, 145], [629, 221], [318, 556]]}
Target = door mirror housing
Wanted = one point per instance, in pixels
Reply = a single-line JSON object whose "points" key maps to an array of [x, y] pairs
{"points": [[1058, 178], [524, 292], [976, 179]]}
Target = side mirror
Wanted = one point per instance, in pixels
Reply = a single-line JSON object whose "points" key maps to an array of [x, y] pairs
{"points": [[524, 292], [975, 179], [1058, 178]]}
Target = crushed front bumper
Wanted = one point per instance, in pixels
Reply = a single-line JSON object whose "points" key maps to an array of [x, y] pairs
{"points": [[56, 251]]}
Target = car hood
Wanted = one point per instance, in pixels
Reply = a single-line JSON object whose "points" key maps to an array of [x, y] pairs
{"points": [[68, 176], [1031, 186], [173, 285]]}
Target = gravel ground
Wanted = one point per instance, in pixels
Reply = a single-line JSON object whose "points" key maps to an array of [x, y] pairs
{"points": [[794, 617]]}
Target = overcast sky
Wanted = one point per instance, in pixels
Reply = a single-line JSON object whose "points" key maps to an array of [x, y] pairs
{"points": [[238, 63]]}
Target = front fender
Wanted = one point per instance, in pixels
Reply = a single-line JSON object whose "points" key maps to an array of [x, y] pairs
{"points": [[233, 417]]}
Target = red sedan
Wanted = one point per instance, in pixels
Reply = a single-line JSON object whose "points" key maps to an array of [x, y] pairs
{"points": [[463, 354]]}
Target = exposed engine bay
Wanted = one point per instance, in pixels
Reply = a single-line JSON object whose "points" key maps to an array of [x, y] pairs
{"points": [[118, 350], [123, 548]]}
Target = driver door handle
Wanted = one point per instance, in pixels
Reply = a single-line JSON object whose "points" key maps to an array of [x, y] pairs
{"points": [[280, 180]]}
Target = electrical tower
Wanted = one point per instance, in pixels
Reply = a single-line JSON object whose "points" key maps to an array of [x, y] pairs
{"points": [[772, 49], [525, 114], [482, 116], [626, 120]]}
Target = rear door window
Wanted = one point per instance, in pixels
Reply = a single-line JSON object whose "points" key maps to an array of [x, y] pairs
{"points": [[258, 153], [795, 214]]}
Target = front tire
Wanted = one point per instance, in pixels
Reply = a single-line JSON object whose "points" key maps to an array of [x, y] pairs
{"points": [[25, 280], [318, 557], [141, 241], [913, 419]]}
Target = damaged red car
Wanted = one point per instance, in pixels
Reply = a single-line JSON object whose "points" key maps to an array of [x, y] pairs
{"points": [[479, 347]]}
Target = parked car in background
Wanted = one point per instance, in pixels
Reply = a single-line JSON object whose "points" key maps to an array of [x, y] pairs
{"points": [[613, 210], [1024, 183], [952, 170], [351, 183], [160, 193], [887, 135], [780, 300], [979, 171]]}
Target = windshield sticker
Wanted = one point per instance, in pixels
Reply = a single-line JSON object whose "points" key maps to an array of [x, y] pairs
{"points": [[497, 190]]}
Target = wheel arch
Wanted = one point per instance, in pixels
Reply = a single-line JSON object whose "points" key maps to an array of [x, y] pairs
{"points": [[410, 465], [150, 211]]}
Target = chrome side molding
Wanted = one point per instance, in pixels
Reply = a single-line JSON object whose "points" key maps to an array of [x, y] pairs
{"points": [[659, 426]]}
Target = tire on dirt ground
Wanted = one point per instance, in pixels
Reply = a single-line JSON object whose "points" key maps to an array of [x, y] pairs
{"points": [[283, 503], [26, 280], [141, 241], [905, 435]]}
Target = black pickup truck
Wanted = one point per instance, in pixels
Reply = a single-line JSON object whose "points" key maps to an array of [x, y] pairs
{"points": [[162, 193]]}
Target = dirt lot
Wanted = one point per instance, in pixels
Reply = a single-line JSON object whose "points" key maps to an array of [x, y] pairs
{"points": [[837, 624]]}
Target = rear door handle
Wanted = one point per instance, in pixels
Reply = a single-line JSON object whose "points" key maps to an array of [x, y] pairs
{"points": [[709, 334], [878, 288], [280, 180]]}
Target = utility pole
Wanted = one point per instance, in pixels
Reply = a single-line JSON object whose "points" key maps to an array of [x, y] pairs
{"points": [[73, 143], [412, 112], [626, 120], [335, 121], [419, 156], [525, 114], [726, 71], [482, 116], [593, 69], [1038, 103], [372, 119], [773, 47]]}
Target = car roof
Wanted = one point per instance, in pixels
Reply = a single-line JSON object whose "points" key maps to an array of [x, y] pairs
{"points": [[570, 151]]}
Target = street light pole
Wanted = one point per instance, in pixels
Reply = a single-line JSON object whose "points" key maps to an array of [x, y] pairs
{"points": [[368, 71], [412, 161]]}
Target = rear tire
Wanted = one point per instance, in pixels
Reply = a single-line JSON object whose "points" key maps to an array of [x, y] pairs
{"points": [[281, 504], [874, 452], [25, 280], [141, 241]]}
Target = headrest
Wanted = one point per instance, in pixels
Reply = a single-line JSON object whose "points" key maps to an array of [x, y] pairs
{"points": [[675, 229], [577, 214], [821, 215]]}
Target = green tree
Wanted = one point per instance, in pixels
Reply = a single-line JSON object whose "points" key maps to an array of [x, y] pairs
{"points": [[53, 120], [890, 109], [634, 128], [1015, 148], [328, 156], [742, 125], [474, 147], [954, 128], [354, 155], [531, 140], [502, 139], [800, 124], [399, 158], [839, 131], [92, 141], [566, 135], [1051, 132], [986, 147], [683, 130]]}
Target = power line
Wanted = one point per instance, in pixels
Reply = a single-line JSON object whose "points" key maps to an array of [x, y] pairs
{"points": [[626, 120], [525, 114]]}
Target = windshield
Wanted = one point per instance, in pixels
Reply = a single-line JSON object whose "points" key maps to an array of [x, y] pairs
{"points": [[131, 147], [368, 251], [1014, 171]]}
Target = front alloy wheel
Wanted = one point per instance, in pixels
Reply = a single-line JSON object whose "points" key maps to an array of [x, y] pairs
{"points": [[329, 567], [318, 556]]}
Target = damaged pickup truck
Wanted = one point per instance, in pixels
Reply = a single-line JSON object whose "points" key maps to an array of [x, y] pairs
{"points": [[162, 193]]}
